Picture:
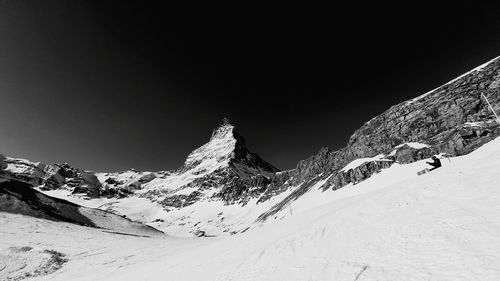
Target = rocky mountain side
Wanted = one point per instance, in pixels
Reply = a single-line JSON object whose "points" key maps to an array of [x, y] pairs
{"points": [[50, 177], [452, 120]]}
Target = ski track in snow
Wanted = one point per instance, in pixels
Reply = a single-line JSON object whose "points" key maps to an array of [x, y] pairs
{"points": [[443, 225]]}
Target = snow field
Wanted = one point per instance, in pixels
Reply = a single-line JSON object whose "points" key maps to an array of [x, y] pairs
{"points": [[396, 225]]}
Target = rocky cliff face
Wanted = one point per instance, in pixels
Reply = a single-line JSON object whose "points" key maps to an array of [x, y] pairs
{"points": [[50, 177], [453, 119]]}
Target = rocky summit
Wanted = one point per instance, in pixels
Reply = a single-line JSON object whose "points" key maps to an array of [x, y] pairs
{"points": [[222, 187]]}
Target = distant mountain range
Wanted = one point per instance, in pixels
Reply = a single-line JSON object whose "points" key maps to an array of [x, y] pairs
{"points": [[223, 188]]}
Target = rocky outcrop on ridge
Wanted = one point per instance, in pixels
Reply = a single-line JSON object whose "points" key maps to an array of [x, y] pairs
{"points": [[49, 177]]}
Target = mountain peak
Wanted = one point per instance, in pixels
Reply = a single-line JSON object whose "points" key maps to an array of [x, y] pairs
{"points": [[225, 130], [220, 147], [226, 145]]}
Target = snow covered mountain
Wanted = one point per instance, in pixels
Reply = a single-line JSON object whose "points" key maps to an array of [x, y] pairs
{"points": [[216, 176], [223, 188], [49, 176], [395, 225], [223, 169]]}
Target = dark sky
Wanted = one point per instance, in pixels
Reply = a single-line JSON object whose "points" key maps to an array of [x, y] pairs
{"points": [[109, 85]]}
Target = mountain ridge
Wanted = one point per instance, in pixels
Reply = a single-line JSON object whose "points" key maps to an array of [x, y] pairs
{"points": [[451, 120]]}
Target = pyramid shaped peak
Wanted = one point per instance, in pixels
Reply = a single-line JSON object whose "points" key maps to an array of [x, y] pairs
{"points": [[225, 130], [221, 146], [225, 146]]}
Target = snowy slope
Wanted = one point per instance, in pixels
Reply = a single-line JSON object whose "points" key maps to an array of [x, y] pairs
{"points": [[443, 225], [20, 198], [211, 217]]}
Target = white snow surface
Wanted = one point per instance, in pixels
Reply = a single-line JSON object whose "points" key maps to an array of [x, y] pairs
{"points": [[135, 208], [360, 161], [218, 149], [211, 216], [443, 225], [415, 145], [127, 178]]}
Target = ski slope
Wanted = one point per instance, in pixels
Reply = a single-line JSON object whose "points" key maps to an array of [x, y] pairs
{"points": [[444, 225]]}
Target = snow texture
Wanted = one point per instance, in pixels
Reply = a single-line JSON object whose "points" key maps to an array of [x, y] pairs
{"points": [[395, 225], [415, 145], [360, 161]]}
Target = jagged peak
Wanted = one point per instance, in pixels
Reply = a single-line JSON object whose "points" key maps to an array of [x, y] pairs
{"points": [[224, 130], [225, 145], [220, 147]]}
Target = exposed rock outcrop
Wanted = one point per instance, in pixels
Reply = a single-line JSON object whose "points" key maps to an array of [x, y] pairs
{"points": [[407, 154], [49, 177]]}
